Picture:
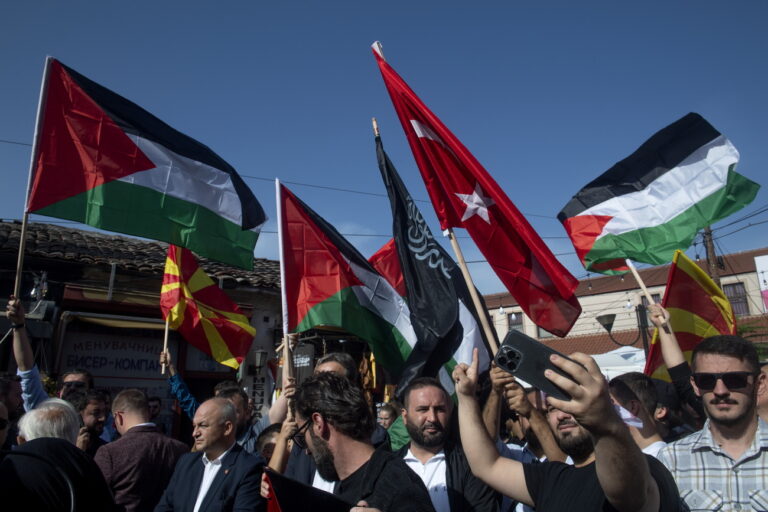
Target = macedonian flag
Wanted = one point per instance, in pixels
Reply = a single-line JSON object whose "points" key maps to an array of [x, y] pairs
{"points": [[697, 309], [201, 312]]}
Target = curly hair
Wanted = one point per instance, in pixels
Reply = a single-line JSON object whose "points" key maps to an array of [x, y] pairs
{"points": [[340, 402]]}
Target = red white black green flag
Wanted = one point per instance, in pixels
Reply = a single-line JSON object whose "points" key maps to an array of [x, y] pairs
{"points": [[104, 161]]}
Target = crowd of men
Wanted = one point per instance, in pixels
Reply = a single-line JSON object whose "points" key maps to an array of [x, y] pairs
{"points": [[628, 444]]}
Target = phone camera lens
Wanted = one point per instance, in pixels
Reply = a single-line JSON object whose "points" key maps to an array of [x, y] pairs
{"points": [[503, 361]]}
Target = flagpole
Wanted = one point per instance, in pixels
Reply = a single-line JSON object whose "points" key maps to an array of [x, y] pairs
{"points": [[647, 294], [473, 291], [464, 271], [283, 297], [165, 342], [33, 156]]}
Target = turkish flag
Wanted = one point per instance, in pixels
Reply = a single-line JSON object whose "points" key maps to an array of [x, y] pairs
{"points": [[464, 195]]}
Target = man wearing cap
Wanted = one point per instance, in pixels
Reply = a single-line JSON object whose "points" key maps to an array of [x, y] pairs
{"points": [[725, 465]]}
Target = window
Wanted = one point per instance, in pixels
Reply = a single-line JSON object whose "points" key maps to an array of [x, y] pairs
{"points": [[543, 333], [656, 300], [737, 295], [515, 322]]}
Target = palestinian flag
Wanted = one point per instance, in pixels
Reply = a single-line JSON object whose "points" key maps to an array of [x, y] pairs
{"points": [[327, 282], [657, 199], [201, 312], [697, 308], [104, 161]]}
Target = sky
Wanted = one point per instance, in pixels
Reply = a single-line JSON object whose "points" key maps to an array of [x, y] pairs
{"points": [[547, 95]]}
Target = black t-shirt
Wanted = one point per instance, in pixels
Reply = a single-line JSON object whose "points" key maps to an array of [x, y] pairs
{"points": [[387, 483], [556, 486]]}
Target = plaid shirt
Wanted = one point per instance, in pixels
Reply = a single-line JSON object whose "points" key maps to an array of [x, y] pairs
{"points": [[709, 479]]}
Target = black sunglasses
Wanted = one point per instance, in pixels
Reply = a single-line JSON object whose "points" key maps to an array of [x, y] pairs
{"points": [[298, 437], [732, 380], [3, 423]]}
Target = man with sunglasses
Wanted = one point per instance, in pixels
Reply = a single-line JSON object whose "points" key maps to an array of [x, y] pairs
{"points": [[725, 465]]}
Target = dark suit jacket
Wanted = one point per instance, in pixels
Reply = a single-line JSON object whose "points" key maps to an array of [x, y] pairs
{"points": [[138, 466], [35, 476], [235, 488]]}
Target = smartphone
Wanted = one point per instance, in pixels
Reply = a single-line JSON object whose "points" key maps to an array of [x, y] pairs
{"points": [[526, 358]]}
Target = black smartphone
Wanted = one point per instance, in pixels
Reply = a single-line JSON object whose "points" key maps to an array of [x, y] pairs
{"points": [[526, 358]]}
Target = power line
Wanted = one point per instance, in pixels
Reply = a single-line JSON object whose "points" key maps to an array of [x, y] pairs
{"points": [[16, 143], [322, 187], [750, 225]]}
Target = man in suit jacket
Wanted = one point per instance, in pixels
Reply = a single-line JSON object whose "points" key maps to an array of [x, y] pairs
{"points": [[139, 465], [220, 476]]}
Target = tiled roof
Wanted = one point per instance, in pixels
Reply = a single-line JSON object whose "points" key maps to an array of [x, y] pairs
{"points": [[54, 242], [755, 329]]}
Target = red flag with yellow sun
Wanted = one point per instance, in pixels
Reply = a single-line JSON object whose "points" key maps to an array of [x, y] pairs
{"points": [[201, 312]]}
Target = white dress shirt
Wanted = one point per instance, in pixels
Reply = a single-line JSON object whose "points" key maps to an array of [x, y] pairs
{"points": [[211, 468], [433, 474]]}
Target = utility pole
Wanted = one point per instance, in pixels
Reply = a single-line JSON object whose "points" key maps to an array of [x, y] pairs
{"points": [[709, 244]]}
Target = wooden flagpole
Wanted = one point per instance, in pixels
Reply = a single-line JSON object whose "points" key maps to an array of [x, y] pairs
{"points": [[33, 156], [165, 342], [647, 294], [473, 292], [481, 313]]}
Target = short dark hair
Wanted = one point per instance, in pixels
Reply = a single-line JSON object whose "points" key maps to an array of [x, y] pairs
{"points": [[266, 435], [154, 399], [81, 399], [77, 371], [224, 385], [728, 345], [345, 360], [340, 402], [622, 391], [228, 393], [394, 411], [418, 383], [643, 387], [132, 400]]}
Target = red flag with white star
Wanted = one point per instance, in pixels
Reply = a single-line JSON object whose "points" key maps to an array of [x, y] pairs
{"points": [[464, 195]]}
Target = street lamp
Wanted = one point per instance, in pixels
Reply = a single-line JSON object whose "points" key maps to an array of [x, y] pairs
{"points": [[642, 327]]}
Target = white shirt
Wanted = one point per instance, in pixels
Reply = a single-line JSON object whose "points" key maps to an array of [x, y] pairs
{"points": [[653, 448], [211, 468], [433, 474], [321, 483]]}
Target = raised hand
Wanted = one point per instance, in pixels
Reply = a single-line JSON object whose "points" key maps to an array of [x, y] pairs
{"points": [[465, 376], [590, 403]]}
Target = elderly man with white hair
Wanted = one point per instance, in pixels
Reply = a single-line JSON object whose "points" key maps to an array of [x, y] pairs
{"points": [[47, 471], [52, 418]]}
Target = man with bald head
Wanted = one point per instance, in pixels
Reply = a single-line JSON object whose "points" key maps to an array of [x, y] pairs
{"points": [[220, 475]]}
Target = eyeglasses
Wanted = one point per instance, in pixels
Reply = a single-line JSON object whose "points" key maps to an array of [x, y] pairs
{"points": [[732, 380], [298, 437], [3, 423]]}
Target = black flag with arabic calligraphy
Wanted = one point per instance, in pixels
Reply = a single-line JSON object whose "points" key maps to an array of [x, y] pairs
{"points": [[433, 282]]}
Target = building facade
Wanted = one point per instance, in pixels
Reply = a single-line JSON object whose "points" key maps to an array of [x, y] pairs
{"points": [[743, 280]]}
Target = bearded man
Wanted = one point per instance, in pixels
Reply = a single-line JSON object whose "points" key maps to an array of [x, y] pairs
{"points": [[431, 454]]}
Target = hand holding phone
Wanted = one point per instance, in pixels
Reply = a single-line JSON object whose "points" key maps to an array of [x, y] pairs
{"points": [[527, 359]]}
